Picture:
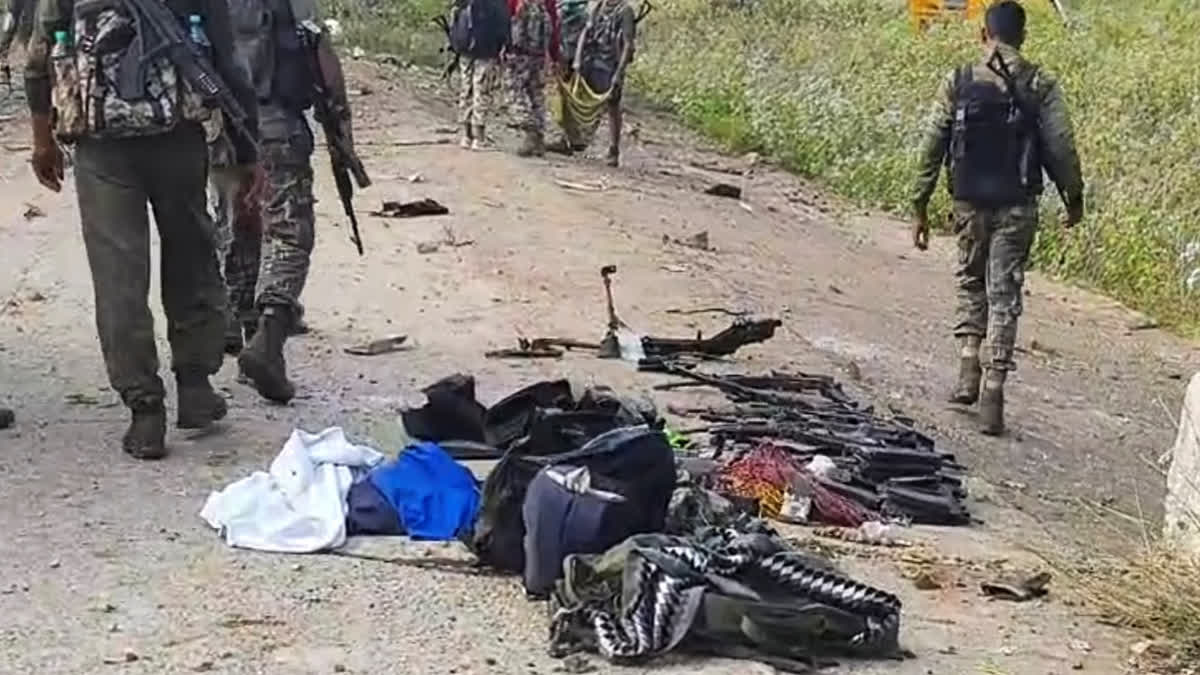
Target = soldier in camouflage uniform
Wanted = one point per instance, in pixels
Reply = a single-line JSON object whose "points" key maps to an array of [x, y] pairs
{"points": [[281, 73], [601, 54], [150, 149], [994, 238], [535, 35]]}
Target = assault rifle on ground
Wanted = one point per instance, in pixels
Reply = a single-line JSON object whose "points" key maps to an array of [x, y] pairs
{"points": [[330, 112], [160, 31]]}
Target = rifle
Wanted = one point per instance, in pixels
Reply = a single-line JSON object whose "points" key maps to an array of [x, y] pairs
{"points": [[452, 61], [160, 31], [1029, 113], [342, 158]]}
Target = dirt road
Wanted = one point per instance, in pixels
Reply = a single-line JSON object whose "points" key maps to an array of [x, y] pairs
{"points": [[102, 555]]}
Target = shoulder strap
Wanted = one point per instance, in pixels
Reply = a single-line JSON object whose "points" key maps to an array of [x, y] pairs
{"points": [[963, 77]]}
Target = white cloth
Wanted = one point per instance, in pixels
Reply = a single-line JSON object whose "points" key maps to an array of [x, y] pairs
{"points": [[299, 506]]}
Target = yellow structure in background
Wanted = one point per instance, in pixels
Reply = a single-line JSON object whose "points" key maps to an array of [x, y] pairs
{"points": [[924, 11]]}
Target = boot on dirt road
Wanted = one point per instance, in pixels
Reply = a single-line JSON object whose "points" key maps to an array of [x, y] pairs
{"points": [[7, 418], [464, 140], [479, 137], [533, 145], [991, 403], [147, 433], [199, 404], [970, 372], [262, 360]]}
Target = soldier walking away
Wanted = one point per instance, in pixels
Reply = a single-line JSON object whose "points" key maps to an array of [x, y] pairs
{"points": [[601, 55], [479, 35], [997, 124], [535, 36], [16, 26], [135, 144], [282, 67]]}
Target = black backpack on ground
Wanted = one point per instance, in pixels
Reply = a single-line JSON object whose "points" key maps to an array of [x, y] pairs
{"points": [[638, 458], [993, 148], [479, 29]]}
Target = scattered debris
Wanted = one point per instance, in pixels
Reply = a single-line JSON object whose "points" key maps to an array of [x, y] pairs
{"points": [[1020, 590], [926, 580], [357, 53], [718, 168], [55, 564], [674, 269], [697, 241], [129, 656], [33, 211], [1143, 324], [81, 399], [725, 190], [448, 239], [582, 187], [244, 622], [1080, 646], [853, 371], [576, 664], [708, 310], [870, 533], [203, 667], [422, 207], [417, 178], [376, 347], [409, 143]]}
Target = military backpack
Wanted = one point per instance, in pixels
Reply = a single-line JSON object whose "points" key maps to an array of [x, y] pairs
{"points": [[993, 148]]}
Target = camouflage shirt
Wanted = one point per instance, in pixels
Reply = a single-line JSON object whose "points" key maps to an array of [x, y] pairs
{"points": [[1056, 137]]}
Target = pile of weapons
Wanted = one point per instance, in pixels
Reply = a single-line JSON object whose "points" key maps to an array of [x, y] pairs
{"points": [[882, 463]]}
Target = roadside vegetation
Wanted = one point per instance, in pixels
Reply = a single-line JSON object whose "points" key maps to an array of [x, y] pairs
{"points": [[837, 90]]}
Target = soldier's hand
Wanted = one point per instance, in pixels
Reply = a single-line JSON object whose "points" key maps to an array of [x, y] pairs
{"points": [[47, 164], [254, 185], [920, 229]]}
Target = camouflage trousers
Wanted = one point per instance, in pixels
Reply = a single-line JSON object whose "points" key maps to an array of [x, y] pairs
{"points": [[527, 87], [993, 249], [114, 180], [476, 86], [270, 268]]}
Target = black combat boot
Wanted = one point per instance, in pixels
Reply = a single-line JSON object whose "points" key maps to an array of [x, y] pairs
{"points": [[991, 403], [970, 372], [7, 418], [147, 434], [199, 404], [533, 146], [466, 136], [262, 360]]}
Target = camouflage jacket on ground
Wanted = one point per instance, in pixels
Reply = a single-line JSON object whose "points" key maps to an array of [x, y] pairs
{"points": [[1056, 137]]}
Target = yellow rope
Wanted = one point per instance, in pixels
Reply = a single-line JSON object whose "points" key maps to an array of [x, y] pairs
{"points": [[577, 100]]}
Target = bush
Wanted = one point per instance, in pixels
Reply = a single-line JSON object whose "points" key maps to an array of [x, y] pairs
{"points": [[837, 90]]}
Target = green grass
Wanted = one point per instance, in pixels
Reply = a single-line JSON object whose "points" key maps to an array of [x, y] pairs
{"points": [[837, 90]]}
